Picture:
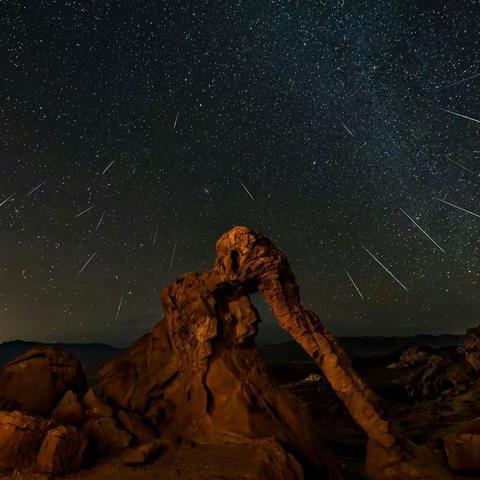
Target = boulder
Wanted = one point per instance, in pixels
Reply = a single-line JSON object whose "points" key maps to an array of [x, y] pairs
{"points": [[471, 348], [36, 380], [96, 406], [433, 372], [134, 424], [62, 451], [463, 451], [106, 435], [143, 453], [69, 410], [20, 439]]}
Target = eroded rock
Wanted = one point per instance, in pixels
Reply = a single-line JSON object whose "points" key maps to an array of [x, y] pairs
{"points": [[63, 451], [143, 453], [96, 406], [134, 424], [471, 348], [20, 439], [107, 435], [69, 410], [35, 381]]}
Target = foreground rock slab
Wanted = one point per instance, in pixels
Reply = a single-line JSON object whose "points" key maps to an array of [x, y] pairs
{"points": [[35, 381], [62, 451], [20, 439]]}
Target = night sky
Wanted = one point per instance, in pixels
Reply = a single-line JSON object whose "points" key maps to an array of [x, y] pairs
{"points": [[327, 126]]}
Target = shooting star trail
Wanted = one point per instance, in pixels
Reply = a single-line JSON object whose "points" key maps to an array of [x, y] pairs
{"points": [[355, 285], [155, 235], [246, 189], [36, 188], [384, 267], [460, 165], [87, 262], [459, 82], [176, 119], [347, 129], [85, 211], [456, 206], [6, 200], [100, 221], [422, 230], [460, 115], [173, 255], [119, 307], [108, 166]]}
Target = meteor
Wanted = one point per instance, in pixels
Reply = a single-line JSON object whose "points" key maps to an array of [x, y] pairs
{"points": [[36, 188], [354, 284], [6, 200], [347, 129], [84, 211], [108, 166], [460, 115], [456, 206], [246, 189], [422, 230], [87, 262], [385, 268], [173, 255]]}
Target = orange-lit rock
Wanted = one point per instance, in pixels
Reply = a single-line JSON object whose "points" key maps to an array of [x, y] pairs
{"points": [[35, 381], [20, 439], [69, 410], [62, 451]]}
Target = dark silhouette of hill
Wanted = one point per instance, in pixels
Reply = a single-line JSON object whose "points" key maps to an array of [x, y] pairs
{"points": [[361, 347], [91, 355]]}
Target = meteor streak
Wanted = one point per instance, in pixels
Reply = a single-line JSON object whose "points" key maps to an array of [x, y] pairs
{"points": [[422, 230], [87, 262], [6, 200], [385, 268], [119, 308], [36, 188], [108, 166], [460, 115], [173, 255], [246, 189], [456, 206], [347, 129], [354, 284], [84, 211]]}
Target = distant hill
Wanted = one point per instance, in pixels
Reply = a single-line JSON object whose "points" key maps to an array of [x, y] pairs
{"points": [[362, 347], [91, 355]]}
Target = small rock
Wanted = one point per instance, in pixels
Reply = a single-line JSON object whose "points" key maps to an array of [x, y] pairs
{"points": [[463, 451], [107, 435], [134, 424], [62, 451], [144, 453], [69, 410], [97, 407]]}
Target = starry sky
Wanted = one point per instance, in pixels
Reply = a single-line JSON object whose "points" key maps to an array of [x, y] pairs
{"points": [[134, 133]]}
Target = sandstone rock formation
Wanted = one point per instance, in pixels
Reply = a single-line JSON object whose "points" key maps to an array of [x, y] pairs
{"points": [[433, 371], [35, 381], [199, 374], [63, 451], [20, 439], [69, 410], [471, 348]]}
